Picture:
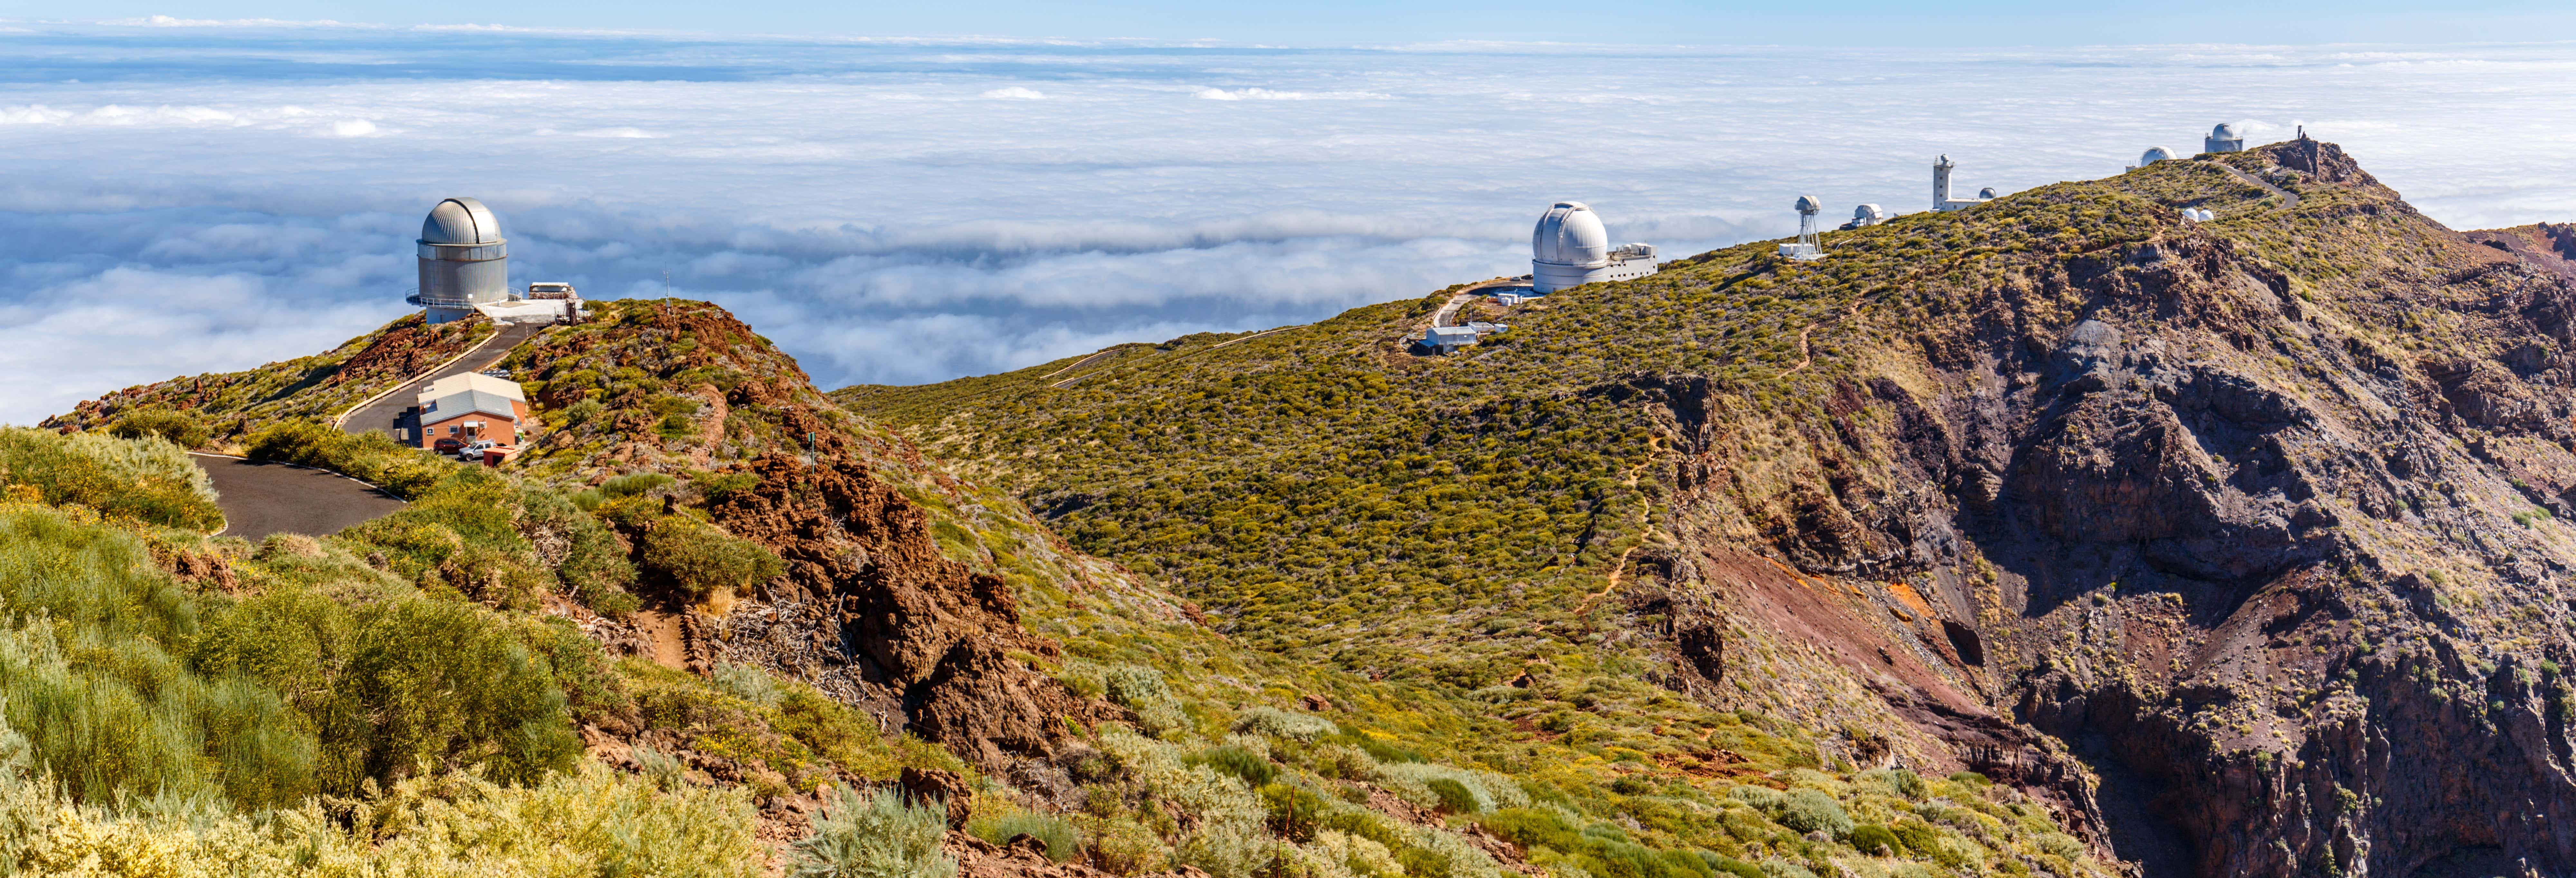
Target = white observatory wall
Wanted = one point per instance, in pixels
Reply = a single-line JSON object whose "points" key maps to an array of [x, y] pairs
{"points": [[187, 199]]}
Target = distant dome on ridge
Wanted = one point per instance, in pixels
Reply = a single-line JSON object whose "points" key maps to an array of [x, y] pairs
{"points": [[1569, 234], [460, 221], [2224, 131], [2155, 154]]}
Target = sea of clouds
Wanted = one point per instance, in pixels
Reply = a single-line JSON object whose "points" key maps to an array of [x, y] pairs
{"points": [[180, 199]]}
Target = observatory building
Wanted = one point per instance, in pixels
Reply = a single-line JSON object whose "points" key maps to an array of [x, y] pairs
{"points": [[2153, 155], [1569, 249], [1941, 199], [1864, 216], [2223, 139], [464, 261]]}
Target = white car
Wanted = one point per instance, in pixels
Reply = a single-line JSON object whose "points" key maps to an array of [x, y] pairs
{"points": [[474, 450]]}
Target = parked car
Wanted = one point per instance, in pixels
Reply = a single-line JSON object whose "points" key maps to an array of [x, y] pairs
{"points": [[448, 445], [474, 450]]}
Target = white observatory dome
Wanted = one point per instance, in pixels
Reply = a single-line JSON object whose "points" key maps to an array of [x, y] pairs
{"points": [[460, 221], [1569, 234], [1808, 204], [2224, 131], [2155, 154]]}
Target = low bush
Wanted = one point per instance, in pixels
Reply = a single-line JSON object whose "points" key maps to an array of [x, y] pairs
{"points": [[700, 560], [635, 484], [1806, 810], [1062, 841], [1276, 723], [179, 429], [1233, 759], [1454, 797], [1141, 689], [1601, 849], [145, 479], [372, 457], [109, 712], [1295, 812], [1869, 837], [877, 836], [1125, 847], [748, 683]]}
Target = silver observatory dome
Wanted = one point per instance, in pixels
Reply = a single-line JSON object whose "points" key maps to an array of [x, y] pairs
{"points": [[464, 261]]}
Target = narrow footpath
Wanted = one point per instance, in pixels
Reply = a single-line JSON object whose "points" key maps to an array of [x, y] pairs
{"points": [[2289, 198]]}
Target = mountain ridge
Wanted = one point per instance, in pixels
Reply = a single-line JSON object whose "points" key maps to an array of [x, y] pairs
{"points": [[2112, 478]]}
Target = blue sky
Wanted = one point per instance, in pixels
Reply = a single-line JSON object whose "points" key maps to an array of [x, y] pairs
{"points": [[187, 195], [1350, 22]]}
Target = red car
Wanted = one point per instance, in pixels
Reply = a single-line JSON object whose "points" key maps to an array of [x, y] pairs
{"points": [[448, 445]]}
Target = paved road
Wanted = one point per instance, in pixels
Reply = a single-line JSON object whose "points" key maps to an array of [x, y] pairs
{"points": [[385, 414], [259, 499]]}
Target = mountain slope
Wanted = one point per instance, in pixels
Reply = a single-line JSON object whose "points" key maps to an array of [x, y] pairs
{"points": [[2239, 541], [723, 587]]}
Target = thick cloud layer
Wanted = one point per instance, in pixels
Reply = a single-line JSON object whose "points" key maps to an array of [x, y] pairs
{"points": [[192, 199]]}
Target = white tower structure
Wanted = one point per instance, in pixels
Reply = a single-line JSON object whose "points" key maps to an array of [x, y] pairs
{"points": [[2223, 139], [1941, 199], [1570, 248], [464, 261], [1807, 247]]}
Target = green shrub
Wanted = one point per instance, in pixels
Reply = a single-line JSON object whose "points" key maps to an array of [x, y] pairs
{"points": [[1924, 840], [701, 560], [1295, 812], [1971, 778], [1454, 797], [1869, 837], [1276, 723], [373, 457], [107, 710], [1062, 842], [1253, 768], [749, 683], [1600, 849], [1141, 689], [719, 487], [879, 836], [582, 412], [145, 479], [1125, 847], [446, 683], [1896, 782], [179, 429], [635, 484], [1226, 850], [1806, 810]]}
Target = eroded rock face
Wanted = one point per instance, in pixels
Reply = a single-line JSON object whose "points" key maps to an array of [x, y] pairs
{"points": [[869, 600], [2274, 555]]}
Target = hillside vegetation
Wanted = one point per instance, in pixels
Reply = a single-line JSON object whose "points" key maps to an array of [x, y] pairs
{"points": [[848, 612], [2134, 513]]}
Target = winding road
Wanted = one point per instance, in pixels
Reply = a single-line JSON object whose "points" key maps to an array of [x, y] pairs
{"points": [[387, 412], [261, 498]]}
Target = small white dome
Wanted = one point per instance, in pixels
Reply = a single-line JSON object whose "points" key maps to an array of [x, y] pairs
{"points": [[2155, 154], [1866, 212], [2224, 131], [1810, 204], [1569, 234], [460, 221], [1987, 193]]}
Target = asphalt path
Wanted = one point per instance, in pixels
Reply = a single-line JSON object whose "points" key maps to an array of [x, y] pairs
{"points": [[392, 411], [261, 498]]}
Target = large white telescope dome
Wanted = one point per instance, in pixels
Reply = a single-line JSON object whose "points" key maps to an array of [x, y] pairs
{"points": [[1569, 234]]}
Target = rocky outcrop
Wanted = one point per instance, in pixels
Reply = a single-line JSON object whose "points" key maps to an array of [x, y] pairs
{"points": [[2270, 547], [870, 603]]}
